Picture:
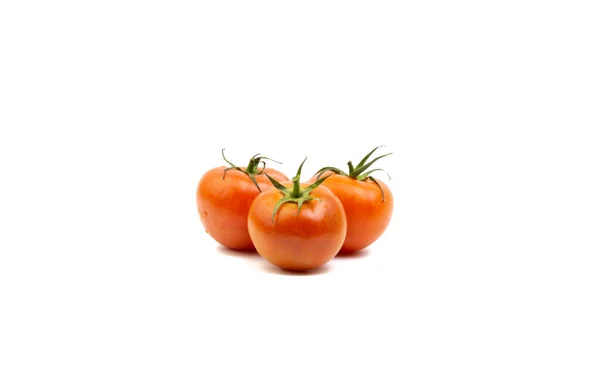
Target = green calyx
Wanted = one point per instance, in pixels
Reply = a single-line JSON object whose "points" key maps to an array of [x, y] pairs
{"points": [[296, 194], [252, 169], [361, 172]]}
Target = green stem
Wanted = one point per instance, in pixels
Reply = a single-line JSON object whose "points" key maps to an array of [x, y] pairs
{"points": [[296, 192], [251, 169]]}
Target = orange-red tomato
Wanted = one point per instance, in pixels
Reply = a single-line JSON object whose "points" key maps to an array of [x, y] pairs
{"points": [[223, 204], [367, 214], [296, 239]]}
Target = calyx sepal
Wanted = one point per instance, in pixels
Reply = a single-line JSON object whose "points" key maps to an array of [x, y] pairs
{"points": [[359, 172], [252, 169], [296, 194]]}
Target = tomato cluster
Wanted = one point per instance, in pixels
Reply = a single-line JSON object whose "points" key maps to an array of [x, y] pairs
{"points": [[295, 226]]}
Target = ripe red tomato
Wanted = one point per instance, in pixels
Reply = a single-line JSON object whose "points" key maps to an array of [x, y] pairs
{"points": [[368, 202], [297, 226], [224, 196]]}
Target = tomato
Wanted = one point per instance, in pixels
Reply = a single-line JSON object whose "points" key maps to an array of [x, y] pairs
{"points": [[297, 226], [368, 202], [366, 213], [224, 196]]}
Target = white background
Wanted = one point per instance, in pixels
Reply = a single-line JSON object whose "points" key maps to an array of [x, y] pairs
{"points": [[111, 111]]}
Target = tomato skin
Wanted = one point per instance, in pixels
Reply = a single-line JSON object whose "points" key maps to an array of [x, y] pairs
{"points": [[223, 204], [301, 240], [367, 215]]}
